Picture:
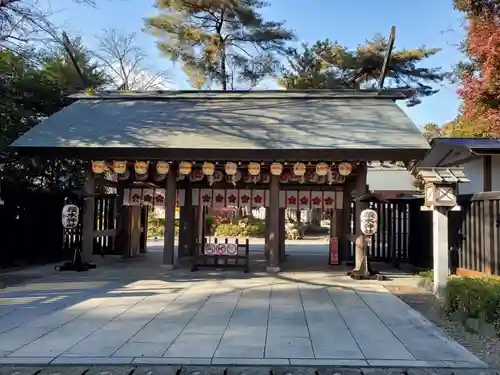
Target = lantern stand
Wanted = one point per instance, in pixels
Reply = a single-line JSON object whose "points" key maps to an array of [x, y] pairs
{"points": [[368, 225], [70, 218], [441, 188]]}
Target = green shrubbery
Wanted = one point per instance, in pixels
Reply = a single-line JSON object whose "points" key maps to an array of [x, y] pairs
{"points": [[156, 226], [474, 298], [249, 227], [225, 227]]}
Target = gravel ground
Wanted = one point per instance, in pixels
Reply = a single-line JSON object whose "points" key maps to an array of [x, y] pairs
{"points": [[486, 349]]}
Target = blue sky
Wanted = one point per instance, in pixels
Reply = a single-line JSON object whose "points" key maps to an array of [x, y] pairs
{"points": [[431, 23]]}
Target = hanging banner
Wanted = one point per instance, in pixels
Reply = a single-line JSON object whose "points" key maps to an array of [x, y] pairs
{"points": [[119, 166], [254, 169], [162, 167], [141, 167], [98, 166], [276, 169], [185, 167], [334, 251], [322, 169], [299, 169], [345, 169], [148, 196], [135, 197]]}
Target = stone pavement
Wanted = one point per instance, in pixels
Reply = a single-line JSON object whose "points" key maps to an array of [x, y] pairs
{"points": [[234, 370], [138, 313]]}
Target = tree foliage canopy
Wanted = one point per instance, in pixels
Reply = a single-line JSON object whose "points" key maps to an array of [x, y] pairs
{"points": [[34, 84], [220, 41], [480, 75], [328, 64]]}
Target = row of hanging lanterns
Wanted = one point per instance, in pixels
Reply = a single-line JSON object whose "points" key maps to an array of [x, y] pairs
{"points": [[208, 168], [120, 167]]}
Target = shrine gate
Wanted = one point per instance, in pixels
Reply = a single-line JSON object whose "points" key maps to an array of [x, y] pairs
{"points": [[196, 149]]}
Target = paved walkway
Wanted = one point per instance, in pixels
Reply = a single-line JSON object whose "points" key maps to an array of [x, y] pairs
{"points": [[135, 312]]}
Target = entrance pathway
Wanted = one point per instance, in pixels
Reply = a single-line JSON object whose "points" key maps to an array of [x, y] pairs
{"points": [[136, 312]]}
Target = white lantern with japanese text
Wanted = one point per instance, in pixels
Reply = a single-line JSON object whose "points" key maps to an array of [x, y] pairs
{"points": [[345, 169], [299, 169], [276, 169], [98, 166], [185, 168], [254, 169], [162, 167], [322, 169], [208, 168], [70, 216], [141, 167], [231, 168], [119, 166], [368, 222]]}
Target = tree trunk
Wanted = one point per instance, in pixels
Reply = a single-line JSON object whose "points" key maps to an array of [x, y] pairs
{"points": [[223, 68]]}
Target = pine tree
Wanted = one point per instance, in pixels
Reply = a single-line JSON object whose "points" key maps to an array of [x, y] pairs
{"points": [[220, 41], [328, 64]]}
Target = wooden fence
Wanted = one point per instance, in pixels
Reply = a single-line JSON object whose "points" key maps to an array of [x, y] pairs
{"points": [[31, 227], [474, 234], [391, 242], [32, 231]]}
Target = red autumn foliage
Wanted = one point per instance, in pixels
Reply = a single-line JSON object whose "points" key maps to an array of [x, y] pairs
{"points": [[480, 90]]}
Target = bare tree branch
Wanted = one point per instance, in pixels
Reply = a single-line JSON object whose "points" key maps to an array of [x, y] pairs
{"points": [[125, 61]]}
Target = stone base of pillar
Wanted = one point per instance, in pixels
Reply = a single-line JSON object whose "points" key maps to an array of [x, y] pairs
{"points": [[271, 269], [168, 266]]}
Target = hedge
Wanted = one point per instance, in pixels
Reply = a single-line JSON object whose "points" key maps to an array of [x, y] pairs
{"points": [[156, 226], [253, 228], [475, 297]]}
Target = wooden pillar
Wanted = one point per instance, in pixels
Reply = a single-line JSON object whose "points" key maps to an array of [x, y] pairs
{"points": [[188, 226], [88, 216], [182, 232], [344, 229], [200, 223], [170, 202], [359, 246], [440, 250], [282, 234], [118, 239], [266, 238], [487, 173], [273, 241]]}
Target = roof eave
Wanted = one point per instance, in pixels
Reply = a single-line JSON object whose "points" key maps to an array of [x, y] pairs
{"points": [[394, 94], [137, 153]]}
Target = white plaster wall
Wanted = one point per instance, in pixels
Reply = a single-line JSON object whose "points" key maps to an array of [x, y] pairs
{"points": [[495, 173], [474, 171]]}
